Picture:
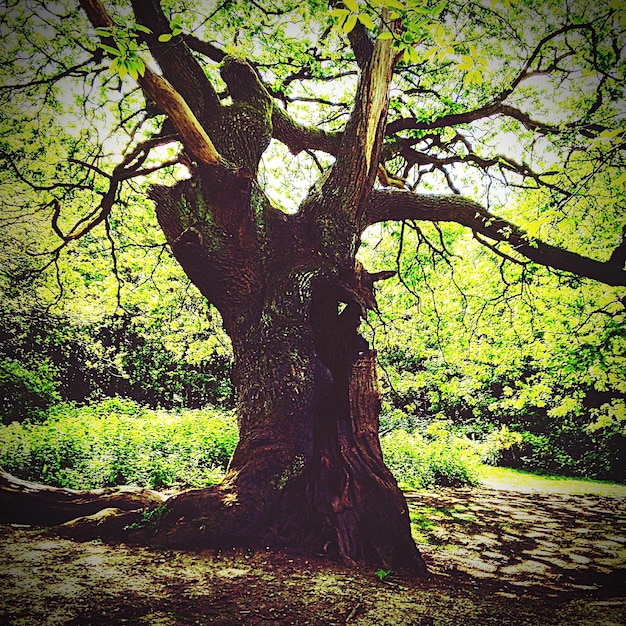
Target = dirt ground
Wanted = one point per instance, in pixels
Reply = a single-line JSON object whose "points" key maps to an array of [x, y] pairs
{"points": [[498, 557]]}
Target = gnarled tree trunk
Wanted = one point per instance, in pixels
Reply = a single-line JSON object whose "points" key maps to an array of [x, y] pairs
{"points": [[308, 469]]}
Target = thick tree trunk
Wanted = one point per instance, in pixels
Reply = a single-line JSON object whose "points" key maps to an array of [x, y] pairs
{"points": [[308, 470]]}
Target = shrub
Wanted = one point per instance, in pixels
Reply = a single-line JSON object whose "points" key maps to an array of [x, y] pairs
{"points": [[436, 458], [498, 443], [26, 392], [119, 442]]}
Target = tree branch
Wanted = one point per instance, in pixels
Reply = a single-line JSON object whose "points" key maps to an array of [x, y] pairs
{"points": [[497, 106], [396, 205], [353, 174], [175, 59], [298, 137], [165, 95], [205, 48]]}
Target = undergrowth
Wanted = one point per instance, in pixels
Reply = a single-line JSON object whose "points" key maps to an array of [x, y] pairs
{"points": [[119, 442], [437, 457]]}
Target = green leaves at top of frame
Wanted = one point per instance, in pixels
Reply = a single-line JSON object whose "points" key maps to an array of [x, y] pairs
{"points": [[125, 54]]}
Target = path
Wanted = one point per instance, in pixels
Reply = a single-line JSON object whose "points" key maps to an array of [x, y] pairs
{"points": [[553, 540]]}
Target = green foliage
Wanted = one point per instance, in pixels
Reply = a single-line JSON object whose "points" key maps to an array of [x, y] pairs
{"points": [[125, 54], [383, 574], [118, 442], [26, 392], [544, 356], [436, 458], [124, 355], [152, 518]]}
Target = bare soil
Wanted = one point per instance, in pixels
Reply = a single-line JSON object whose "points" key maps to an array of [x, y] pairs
{"points": [[497, 556]]}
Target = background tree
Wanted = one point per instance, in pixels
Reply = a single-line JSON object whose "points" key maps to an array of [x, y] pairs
{"points": [[516, 112]]}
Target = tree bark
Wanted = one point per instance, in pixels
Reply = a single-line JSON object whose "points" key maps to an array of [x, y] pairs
{"points": [[25, 502]]}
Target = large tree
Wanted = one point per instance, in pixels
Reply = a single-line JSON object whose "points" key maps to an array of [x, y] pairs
{"points": [[514, 110]]}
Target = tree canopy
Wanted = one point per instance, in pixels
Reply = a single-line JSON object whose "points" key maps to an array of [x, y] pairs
{"points": [[514, 109]]}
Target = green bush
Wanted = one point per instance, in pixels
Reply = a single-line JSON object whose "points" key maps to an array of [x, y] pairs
{"points": [[436, 458], [26, 392], [118, 442]]}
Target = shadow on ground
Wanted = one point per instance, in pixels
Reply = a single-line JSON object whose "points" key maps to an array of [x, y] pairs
{"points": [[499, 557], [549, 540]]}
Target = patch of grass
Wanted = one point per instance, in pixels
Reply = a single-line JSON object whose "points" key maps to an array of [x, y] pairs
{"points": [[518, 479]]}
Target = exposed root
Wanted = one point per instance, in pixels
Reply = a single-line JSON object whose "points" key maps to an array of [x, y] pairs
{"points": [[24, 502]]}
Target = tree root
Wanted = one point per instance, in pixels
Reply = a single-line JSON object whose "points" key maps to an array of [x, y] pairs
{"points": [[24, 502]]}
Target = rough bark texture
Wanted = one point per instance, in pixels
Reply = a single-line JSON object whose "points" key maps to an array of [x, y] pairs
{"points": [[25, 502]]}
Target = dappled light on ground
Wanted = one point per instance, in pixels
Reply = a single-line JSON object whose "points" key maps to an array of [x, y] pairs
{"points": [[553, 540], [522, 557]]}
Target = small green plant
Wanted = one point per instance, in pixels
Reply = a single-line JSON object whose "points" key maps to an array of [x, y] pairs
{"points": [[152, 518], [383, 574]]}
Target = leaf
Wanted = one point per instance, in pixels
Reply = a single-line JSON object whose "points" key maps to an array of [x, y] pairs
{"points": [[410, 55], [352, 5], [436, 10], [444, 52], [349, 24], [620, 181], [366, 20], [165, 37], [467, 63], [340, 14], [394, 4], [142, 29], [103, 32], [609, 134], [385, 35], [114, 51]]}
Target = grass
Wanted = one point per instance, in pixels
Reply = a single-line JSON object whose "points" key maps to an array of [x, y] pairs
{"points": [[504, 477]]}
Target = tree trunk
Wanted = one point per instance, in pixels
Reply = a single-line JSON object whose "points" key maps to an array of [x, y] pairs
{"points": [[308, 470]]}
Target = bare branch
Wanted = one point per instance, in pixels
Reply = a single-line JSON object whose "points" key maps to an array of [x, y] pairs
{"points": [[205, 48], [179, 66], [166, 96], [298, 137]]}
